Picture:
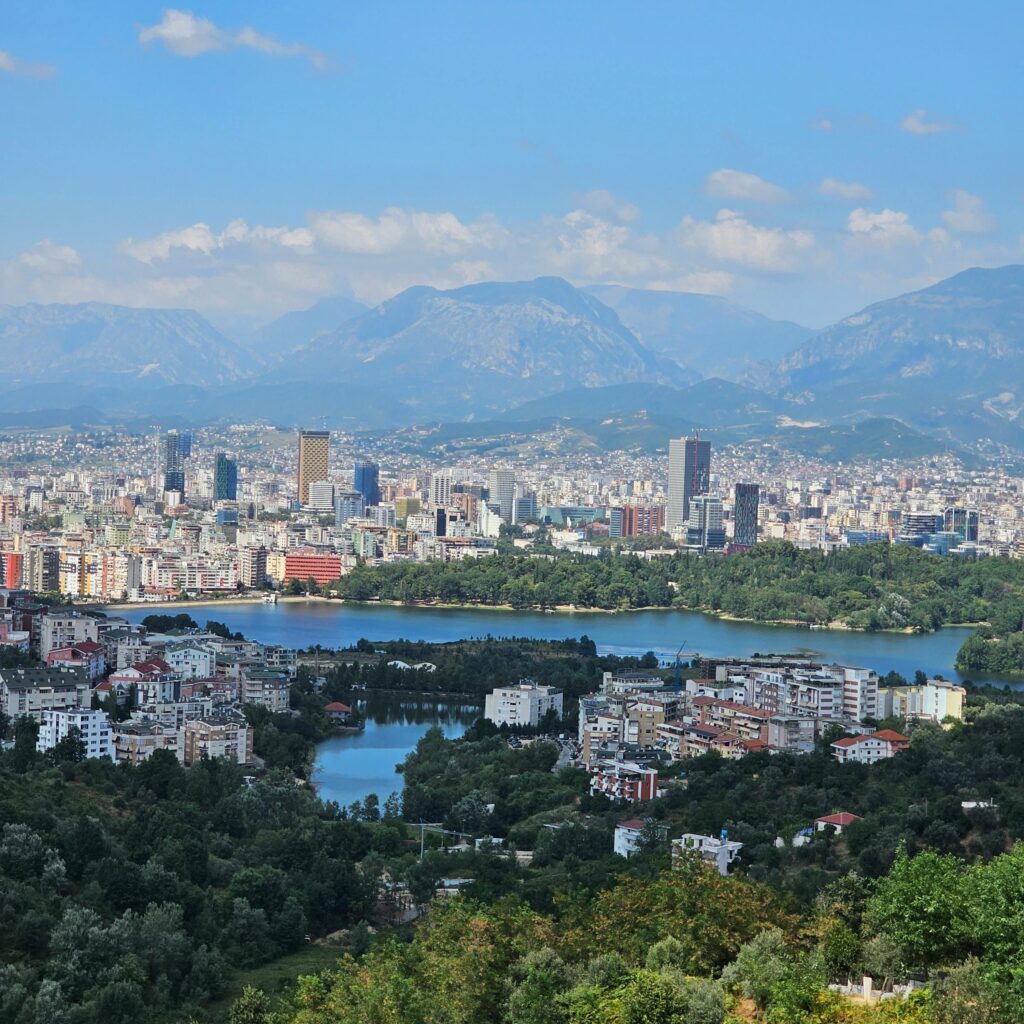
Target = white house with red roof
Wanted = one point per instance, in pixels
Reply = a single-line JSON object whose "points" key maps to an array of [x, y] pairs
{"points": [[836, 822], [869, 748], [87, 655]]}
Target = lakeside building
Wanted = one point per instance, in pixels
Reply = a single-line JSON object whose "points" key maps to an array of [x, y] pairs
{"points": [[92, 727], [525, 703]]}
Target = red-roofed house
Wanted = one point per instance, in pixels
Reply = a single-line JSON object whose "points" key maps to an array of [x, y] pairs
{"points": [[836, 822], [870, 748], [338, 712], [87, 655], [627, 835]]}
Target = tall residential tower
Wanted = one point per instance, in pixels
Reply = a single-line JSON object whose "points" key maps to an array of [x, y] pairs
{"points": [[689, 474], [314, 460]]}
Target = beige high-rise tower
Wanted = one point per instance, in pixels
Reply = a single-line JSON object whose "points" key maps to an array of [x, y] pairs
{"points": [[314, 460]]}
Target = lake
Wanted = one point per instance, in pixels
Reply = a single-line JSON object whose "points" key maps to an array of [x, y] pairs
{"points": [[350, 767], [330, 624]]}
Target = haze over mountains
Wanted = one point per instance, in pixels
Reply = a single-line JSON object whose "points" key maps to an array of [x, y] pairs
{"points": [[947, 360]]}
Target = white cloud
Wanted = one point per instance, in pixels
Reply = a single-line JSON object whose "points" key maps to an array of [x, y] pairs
{"points": [[822, 124], [46, 258], [968, 215], [600, 200], [847, 190], [727, 183], [200, 238], [731, 238], [397, 229], [9, 64], [186, 35], [917, 123], [885, 228]]}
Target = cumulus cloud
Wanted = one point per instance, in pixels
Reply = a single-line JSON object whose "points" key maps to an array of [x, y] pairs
{"points": [[200, 238], [918, 123], [727, 183], [396, 229], [968, 215], [11, 65], [884, 228], [600, 200], [186, 35], [846, 190], [731, 238], [46, 258]]}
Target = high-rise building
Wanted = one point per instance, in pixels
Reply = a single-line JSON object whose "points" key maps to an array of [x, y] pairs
{"points": [[366, 480], [704, 528], [636, 520], [689, 474], [747, 498], [252, 566], [321, 496], [441, 489], [961, 521], [347, 505], [314, 460], [502, 490], [225, 478], [177, 447], [524, 508], [920, 524]]}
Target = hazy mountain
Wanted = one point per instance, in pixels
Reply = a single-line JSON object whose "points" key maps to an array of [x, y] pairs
{"points": [[96, 344], [480, 349], [948, 357], [294, 329], [711, 335]]}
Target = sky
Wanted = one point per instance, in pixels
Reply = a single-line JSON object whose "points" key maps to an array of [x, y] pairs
{"points": [[246, 159]]}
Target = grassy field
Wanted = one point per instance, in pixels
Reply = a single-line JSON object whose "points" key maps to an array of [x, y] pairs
{"points": [[273, 978]]}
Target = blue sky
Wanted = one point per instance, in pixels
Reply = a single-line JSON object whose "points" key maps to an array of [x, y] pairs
{"points": [[245, 159]]}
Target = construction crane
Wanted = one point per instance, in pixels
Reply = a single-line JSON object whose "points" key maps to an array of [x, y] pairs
{"points": [[679, 668]]}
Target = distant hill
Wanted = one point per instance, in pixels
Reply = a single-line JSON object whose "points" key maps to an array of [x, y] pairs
{"points": [[948, 358], [300, 327], [480, 349], [97, 344], [709, 334]]}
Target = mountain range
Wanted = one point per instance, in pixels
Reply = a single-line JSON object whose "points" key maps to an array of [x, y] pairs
{"points": [[947, 361]]}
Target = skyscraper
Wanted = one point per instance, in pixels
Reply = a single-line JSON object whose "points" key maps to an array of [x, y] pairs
{"points": [[176, 448], [314, 460], [704, 528], [689, 474], [747, 499], [441, 489], [961, 521], [366, 480], [502, 489], [225, 478], [347, 505]]}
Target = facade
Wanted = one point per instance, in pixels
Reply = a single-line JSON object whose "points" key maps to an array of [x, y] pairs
{"points": [[93, 730], [961, 521], [347, 505], [321, 496], [252, 566], [366, 480], [314, 460], [224, 735], [934, 700], [441, 489], [225, 478], [718, 851], [746, 500], [177, 447], [623, 780], [303, 564], [870, 748], [64, 629], [138, 740], [31, 691], [636, 520], [501, 488], [526, 703], [689, 474], [628, 833], [705, 528]]}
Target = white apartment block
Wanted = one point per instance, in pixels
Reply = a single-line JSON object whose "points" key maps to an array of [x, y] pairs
{"points": [[64, 629], [93, 729], [526, 703]]}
